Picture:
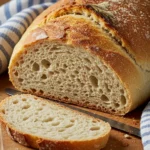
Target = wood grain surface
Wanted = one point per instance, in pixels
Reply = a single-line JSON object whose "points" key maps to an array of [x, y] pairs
{"points": [[117, 140], [3, 1]]}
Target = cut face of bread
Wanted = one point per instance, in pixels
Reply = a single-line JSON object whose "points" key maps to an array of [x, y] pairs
{"points": [[72, 59], [70, 74], [38, 120]]}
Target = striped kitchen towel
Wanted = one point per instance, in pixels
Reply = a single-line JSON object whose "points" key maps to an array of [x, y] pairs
{"points": [[145, 127], [15, 17]]}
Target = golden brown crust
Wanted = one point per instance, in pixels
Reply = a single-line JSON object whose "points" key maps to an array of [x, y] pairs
{"points": [[131, 20], [127, 19], [80, 31]]}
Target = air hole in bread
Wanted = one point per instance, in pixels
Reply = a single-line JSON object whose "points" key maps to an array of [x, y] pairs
{"points": [[15, 101], [78, 80], [116, 105], [65, 66], [33, 90], [35, 67], [21, 62], [36, 120], [16, 73], [113, 111], [75, 94], [94, 121], [122, 91], [63, 70], [87, 60], [25, 90], [72, 76], [17, 64], [55, 48], [40, 108], [41, 91], [100, 91], [20, 80], [61, 130], [76, 72], [43, 104], [104, 98], [26, 107], [65, 137], [99, 69], [66, 98], [87, 68], [69, 125], [25, 118], [24, 99], [94, 81], [123, 100], [55, 123], [106, 86], [3, 111], [51, 73], [72, 120], [48, 119], [94, 128], [36, 50], [44, 76], [45, 63]]}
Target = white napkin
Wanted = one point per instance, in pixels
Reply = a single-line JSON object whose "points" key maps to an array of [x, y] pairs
{"points": [[16, 16]]}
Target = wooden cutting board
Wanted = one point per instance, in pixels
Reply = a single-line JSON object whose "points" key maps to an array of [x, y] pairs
{"points": [[117, 140]]}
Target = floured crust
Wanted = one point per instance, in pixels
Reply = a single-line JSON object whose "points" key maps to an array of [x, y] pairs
{"points": [[124, 19], [121, 58], [109, 52]]}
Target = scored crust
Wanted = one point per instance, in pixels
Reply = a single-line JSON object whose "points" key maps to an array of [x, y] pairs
{"points": [[55, 26]]}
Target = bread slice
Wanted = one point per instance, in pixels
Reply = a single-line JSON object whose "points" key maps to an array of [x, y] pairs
{"points": [[47, 125], [74, 55]]}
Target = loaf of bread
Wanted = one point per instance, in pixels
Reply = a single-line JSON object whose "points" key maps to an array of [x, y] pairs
{"points": [[47, 125], [94, 54]]}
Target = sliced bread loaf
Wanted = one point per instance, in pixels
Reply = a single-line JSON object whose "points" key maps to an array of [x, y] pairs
{"points": [[47, 125], [86, 55]]}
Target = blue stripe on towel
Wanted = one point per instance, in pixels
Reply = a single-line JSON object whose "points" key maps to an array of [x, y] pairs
{"points": [[23, 17], [147, 115], [36, 11], [44, 6], [145, 126], [15, 30], [19, 22], [146, 143], [145, 134], [8, 39], [7, 11], [53, 1], [147, 111], [5, 53], [145, 120], [30, 3], [29, 14], [19, 6], [41, 1]]}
